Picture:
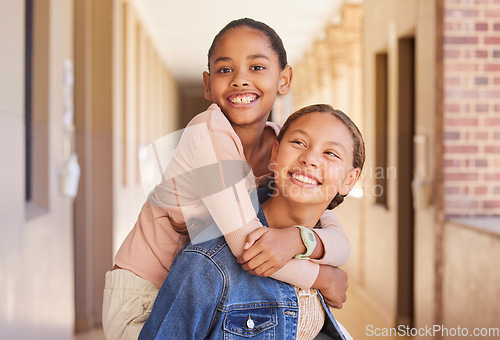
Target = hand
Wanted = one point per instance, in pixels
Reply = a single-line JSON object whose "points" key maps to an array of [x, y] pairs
{"points": [[332, 283], [268, 249]]}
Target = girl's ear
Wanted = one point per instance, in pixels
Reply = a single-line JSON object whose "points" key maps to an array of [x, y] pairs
{"points": [[285, 80], [274, 153], [349, 181], [206, 83]]}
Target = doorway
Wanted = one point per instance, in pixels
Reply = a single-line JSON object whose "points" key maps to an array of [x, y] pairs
{"points": [[405, 212]]}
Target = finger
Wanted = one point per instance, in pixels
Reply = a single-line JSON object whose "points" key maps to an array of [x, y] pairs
{"points": [[254, 263], [254, 236], [257, 272], [270, 271], [263, 269], [249, 254], [335, 304], [332, 303]]}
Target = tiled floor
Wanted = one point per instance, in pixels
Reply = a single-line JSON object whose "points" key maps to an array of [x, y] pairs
{"points": [[361, 320], [96, 334]]}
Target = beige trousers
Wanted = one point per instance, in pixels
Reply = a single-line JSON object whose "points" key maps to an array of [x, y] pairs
{"points": [[128, 300]]}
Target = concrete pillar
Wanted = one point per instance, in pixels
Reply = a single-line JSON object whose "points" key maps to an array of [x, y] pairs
{"points": [[93, 123]]}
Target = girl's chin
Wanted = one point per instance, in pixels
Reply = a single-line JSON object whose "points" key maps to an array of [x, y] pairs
{"points": [[301, 195], [304, 198]]}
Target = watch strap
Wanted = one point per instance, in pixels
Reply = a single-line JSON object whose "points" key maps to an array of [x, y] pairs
{"points": [[309, 239]]}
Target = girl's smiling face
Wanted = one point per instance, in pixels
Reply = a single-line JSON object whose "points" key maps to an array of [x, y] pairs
{"points": [[245, 76], [314, 160]]}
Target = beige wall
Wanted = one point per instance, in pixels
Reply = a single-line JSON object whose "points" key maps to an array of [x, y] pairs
{"points": [[471, 278], [36, 289], [12, 64]]}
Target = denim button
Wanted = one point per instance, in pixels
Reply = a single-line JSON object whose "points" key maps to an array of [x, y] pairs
{"points": [[250, 323]]}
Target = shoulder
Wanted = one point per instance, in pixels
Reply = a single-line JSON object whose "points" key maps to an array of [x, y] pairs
{"points": [[213, 118], [274, 126], [209, 137], [213, 128], [214, 251], [200, 263]]}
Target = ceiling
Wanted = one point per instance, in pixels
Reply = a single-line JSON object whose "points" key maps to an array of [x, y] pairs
{"points": [[183, 29]]}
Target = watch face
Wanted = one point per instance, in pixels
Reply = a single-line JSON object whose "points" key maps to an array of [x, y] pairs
{"points": [[311, 237]]}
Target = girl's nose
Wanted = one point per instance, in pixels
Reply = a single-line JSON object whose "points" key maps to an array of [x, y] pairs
{"points": [[308, 157], [239, 79]]}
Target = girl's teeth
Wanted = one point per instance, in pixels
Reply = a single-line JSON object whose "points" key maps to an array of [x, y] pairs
{"points": [[304, 179], [242, 99]]}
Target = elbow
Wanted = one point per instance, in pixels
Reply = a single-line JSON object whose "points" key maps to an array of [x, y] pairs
{"points": [[343, 254]]}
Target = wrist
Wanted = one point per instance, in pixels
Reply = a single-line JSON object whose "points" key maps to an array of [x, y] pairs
{"points": [[298, 245], [319, 250], [323, 279]]}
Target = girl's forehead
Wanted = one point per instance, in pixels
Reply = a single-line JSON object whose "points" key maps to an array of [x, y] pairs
{"points": [[244, 30], [321, 125], [324, 117], [243, 35]]}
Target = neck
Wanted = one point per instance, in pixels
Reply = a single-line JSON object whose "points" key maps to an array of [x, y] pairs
{"points": [[257, 144], [250, 137], [282, 213]]}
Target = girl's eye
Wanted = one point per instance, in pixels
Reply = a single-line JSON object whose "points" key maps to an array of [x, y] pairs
{"points": [[298, 142], [332, 154], [257, 68], [224, 70]]}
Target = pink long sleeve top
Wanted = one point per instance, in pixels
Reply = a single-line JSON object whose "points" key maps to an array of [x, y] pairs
{"points": [[208, 179]]}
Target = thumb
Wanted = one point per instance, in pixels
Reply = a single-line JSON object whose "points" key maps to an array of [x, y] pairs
{"points": [[254, 236]]}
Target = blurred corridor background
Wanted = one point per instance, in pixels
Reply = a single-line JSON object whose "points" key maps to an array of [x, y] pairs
{"points": [[104, 78]]}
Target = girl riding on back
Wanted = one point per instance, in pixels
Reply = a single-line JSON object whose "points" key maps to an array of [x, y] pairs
{"points": [[209, 178]]}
